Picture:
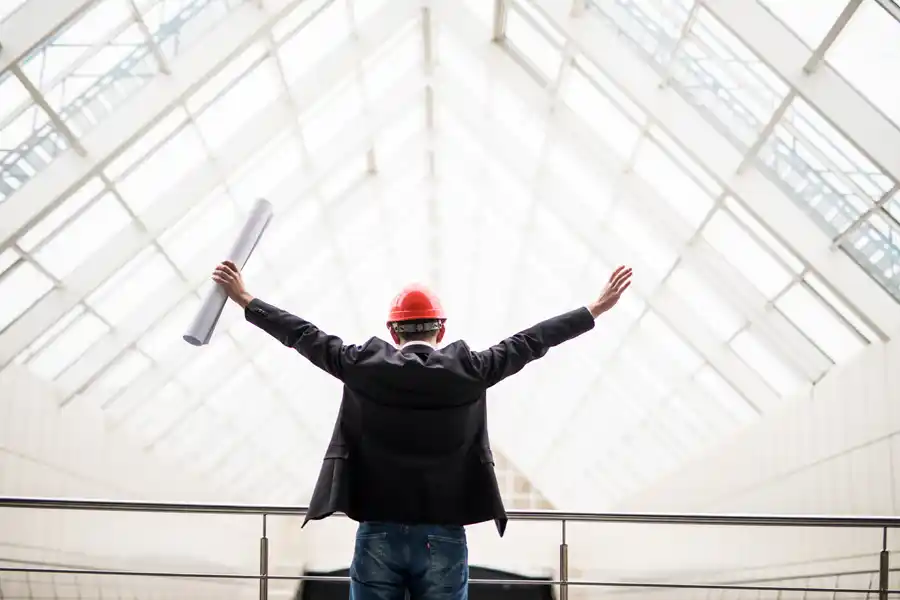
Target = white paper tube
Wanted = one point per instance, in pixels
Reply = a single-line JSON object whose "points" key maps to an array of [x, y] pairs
{"points": [[201, 329]]}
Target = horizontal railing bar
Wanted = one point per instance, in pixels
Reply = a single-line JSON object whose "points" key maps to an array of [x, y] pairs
{"points": [[518, 515], [337, 578]]}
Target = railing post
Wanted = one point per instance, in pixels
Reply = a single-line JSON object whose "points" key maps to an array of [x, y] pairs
{"points": [[885, 569], [264, 563], [563, 565]]}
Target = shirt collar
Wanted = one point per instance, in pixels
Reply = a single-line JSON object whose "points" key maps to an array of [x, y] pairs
{"points": [[415, 343]]}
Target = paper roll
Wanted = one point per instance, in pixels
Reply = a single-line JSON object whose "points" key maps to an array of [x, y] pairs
{"points": [[201, 329]]}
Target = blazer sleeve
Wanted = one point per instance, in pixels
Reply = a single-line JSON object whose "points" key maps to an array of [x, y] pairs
{"points": [[328, 352], [512, 354]]}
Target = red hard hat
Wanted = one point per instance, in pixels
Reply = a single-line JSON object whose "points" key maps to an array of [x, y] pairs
{"points": [[414, 303]]}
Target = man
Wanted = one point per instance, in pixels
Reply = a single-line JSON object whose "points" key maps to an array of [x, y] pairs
{"points": [[409, 458]]}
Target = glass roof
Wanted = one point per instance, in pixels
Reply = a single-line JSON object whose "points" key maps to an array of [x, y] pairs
{"points": [[397, 143]]}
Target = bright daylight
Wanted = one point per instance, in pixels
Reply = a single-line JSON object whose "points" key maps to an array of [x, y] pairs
{"points": [[431, 299]]}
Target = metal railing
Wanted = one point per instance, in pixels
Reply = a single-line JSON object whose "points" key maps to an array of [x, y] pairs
{"points": [[563, 583]]}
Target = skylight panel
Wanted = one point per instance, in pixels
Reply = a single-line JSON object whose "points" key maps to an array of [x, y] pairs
{"points": [[156, 416], [746, 254], [141, 188], [763, 235], [780, 376], [821, 288], [205, 223], [289, 24], [593, 192], [20, 287], [333, 113], [145, 144], [653, 251], [725, 396], [231, 74], [671, 181], [525, 127], [80, 238], [63, 50], [8, 258], [604, 117], [61, 214], [169, 330], [533, 43], [456, 57], [15, 96], [809, 19], [308, 45], [49, 335], [197, 371], [252, 93], [706, 302], [391, 62], [121, 373], [131, 285], [9, 7], [670, 343], [68, 346], [812, 317], [275, 164], [867, 50]]}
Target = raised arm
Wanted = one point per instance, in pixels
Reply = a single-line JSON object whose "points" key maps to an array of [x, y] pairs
{"points": [[512, 354], [328, 352]]}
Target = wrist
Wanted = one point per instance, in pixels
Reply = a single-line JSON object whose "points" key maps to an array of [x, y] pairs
{"points": [[243, 299], [595, 309]]}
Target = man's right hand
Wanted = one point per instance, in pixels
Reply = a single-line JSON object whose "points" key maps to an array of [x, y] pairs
{"points": [[618, 283], [229, 277]]}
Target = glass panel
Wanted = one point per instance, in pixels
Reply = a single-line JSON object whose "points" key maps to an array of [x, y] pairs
{"points": [[600, 113], [309, 44], [131, 285], [746, 255], [875, 244], [708, 304], [669, 342], [8, 258], [124, 370], [654, 253], [60, 215], [726, 396], [654, 26], [671, 181], [208, 221], [267, 171], [28, 141], [714, 70], [306, 11], [820, 170], [763, 359], [146, 144], [20, 287], [333, 113], [169, 330], [51, 334], [9, 7], [759, 231], [68, 346], [166, 166], [252, 93], [865, 51], [852, 317], [222, 81], [818, 323], [533, 44], [809, 19], [83, 236], [402, 53]]}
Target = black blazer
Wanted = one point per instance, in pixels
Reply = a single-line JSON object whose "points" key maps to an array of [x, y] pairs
{"points": [[410, 444]]}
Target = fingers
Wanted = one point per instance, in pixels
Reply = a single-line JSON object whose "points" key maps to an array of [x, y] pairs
{"points": [[616, 273], [225, 273], [620, 277]]}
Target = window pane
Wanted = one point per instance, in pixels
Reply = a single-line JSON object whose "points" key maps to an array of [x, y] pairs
{"points": [[210, 220], [137, 280], [20, 287], [319, 37], [536, 48], [726, 396], [865, 51], [670, 343], [68, 347], [763, 359], [74, 203], [809, 19], [814, 319], [707, 303], [331, 115], [69, 248], [604, 117], [8, 258], [821, 288], [763, 235], [746, 254]]}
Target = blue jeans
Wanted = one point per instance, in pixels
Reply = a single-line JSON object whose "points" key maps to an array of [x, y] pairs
{"points": [[431, 562]]}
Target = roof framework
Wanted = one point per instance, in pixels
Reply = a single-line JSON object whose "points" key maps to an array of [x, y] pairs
{"points": [[741, 155]]}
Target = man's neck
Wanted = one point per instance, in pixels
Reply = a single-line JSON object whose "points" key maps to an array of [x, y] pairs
{"points": [[417, 342]]}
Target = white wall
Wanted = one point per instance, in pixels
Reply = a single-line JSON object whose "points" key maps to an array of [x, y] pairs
{"points": [[833, 451], [67, 453]]}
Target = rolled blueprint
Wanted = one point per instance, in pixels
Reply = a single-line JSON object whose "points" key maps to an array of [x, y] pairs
{"points": [[204, 323]]}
